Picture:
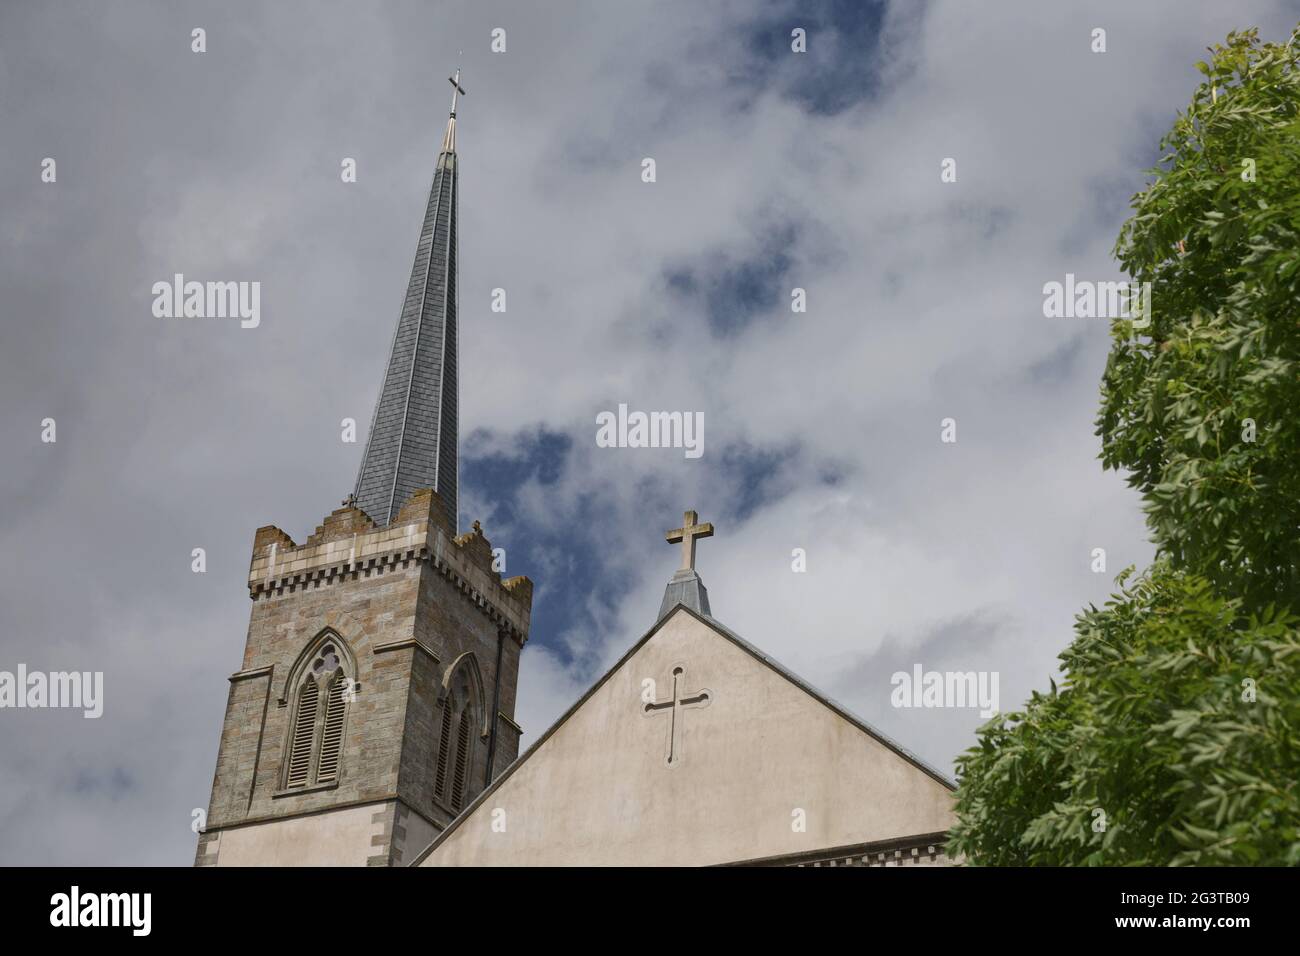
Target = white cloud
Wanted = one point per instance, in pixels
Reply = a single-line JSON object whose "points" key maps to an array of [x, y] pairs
{"points": [[924, 302]]}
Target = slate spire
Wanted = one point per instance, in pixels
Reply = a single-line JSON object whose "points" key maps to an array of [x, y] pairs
{"points": [[413, 436]]}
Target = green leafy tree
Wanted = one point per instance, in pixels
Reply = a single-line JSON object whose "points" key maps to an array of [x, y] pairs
{"points": [[1175, 740], [1175, 736], [1202, 407]]}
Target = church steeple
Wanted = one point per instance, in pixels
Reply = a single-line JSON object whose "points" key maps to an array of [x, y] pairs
{"points": [[376, 695], [413, 436]]}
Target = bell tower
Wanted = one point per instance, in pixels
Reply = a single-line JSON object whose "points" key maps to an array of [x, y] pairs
{"points": [[377, 689]]}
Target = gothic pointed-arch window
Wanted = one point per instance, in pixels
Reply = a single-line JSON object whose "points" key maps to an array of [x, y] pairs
{"points": [[332, 730], [459, 727], [304, 730], [319, 716], [464, 739], [444, 752]]}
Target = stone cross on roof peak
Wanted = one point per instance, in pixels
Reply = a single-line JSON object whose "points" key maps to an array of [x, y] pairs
{"points": [[686, 587], [690, 530]]}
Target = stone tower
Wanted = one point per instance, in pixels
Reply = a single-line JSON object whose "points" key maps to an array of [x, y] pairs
{"points": [[377, 690]]}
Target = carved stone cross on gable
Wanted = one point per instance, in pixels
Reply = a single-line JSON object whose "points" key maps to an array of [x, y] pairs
{"points": [[686, 534], [673, 706]]}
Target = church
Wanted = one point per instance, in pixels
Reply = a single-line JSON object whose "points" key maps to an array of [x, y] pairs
{"points": [[371, 721]]}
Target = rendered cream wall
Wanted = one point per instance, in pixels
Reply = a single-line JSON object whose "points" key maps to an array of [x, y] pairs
{"points": [[598, 791], [337, 838]]}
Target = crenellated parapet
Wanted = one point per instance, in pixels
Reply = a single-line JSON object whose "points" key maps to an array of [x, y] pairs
{"points": [[347, 546]]}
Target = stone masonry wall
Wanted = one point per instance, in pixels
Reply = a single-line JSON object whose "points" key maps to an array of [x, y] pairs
{"points": [[408, 601]]}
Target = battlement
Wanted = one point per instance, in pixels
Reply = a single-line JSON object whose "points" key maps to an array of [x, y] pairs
{"points": [[347, 545]]}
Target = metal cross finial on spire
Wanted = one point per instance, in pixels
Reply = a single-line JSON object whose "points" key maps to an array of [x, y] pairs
{"points": [[458, 91], [690, 530], [449, 137]]}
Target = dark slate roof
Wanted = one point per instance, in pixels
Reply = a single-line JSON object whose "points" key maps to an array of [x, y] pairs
{"points": [[413, 436], [740, 642]]}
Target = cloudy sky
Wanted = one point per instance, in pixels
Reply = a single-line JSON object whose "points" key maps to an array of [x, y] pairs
{"points": [[775, 170]]}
